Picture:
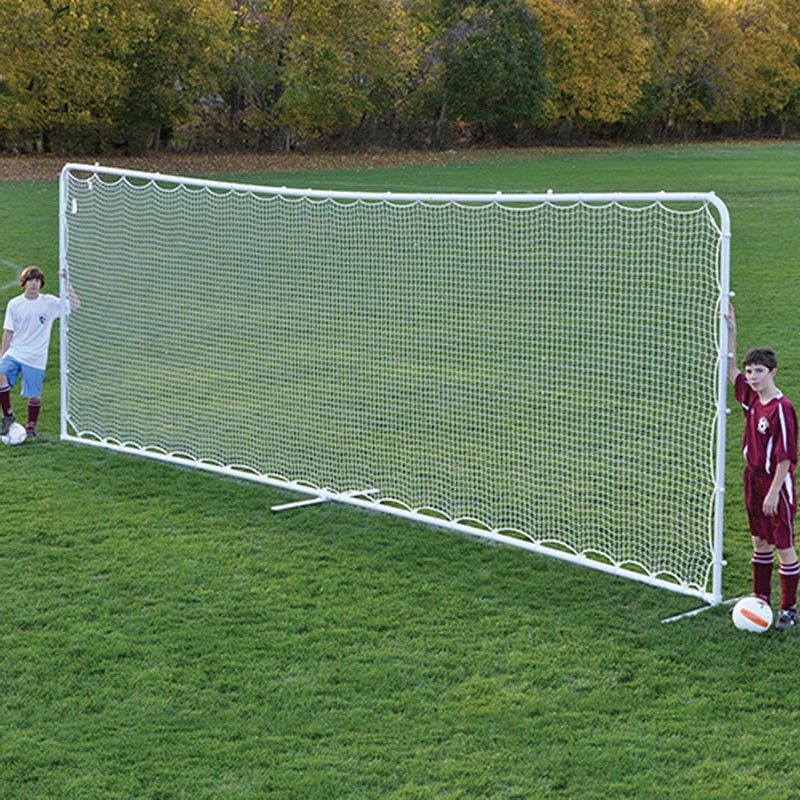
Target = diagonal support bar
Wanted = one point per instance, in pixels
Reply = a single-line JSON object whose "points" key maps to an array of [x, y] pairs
{"points": [[312, 501], [323, 498]]}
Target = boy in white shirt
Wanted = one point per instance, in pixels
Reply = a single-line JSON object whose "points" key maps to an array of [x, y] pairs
{"points": [[26, 339]]}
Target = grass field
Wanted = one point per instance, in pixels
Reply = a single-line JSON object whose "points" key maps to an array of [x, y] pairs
{"points": [[165, 636]]}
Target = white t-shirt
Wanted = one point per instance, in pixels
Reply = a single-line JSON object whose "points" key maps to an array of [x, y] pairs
{"points": [[31, 321]]}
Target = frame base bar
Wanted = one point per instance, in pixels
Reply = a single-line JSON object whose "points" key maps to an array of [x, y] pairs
{"points": [[697, 611], [360, 499]]}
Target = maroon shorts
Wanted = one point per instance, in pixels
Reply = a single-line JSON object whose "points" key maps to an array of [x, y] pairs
{"points": [[777, 530]]}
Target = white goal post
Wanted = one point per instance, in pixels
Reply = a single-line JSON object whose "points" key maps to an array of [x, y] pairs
{"points": [[542, 370]]}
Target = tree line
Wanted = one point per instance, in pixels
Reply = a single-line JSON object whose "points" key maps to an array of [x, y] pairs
{"points": [[92, 76]]}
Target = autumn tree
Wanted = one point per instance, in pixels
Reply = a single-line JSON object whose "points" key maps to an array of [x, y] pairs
{"points": [[597, 59], [492, 65], [343, 64], [769, 59], [252, 82], [697, 75], [59, 71], [94, 74], [174, 60]]}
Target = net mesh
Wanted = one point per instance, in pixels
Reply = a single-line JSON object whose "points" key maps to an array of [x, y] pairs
{"points": [[547, 370]]}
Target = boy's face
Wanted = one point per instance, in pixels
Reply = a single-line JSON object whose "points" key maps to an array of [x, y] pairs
{"points": [[32, 287], [759, 377]]}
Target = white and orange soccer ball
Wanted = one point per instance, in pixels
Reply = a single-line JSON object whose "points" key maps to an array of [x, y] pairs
{"points": [[752, 614]]}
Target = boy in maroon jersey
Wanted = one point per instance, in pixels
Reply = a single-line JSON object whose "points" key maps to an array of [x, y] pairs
{"points": [[769, 445]]}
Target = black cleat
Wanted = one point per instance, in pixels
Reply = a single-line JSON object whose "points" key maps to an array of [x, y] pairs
{"points": [[786, 619], [6, 423]]}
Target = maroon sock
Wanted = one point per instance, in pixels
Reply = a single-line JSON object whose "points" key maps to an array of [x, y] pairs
{"points": [[762, 575], [34, 407], [789, 573], [5, 400]]}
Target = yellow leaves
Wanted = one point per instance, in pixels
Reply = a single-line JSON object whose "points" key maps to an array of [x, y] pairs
{"points": [[326, 67], [769, 57], [706, 60], [723, 60], [73, 66], [342, 61], [597, 58]]}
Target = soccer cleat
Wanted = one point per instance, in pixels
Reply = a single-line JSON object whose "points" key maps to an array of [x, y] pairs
{"points": [[6, 423], [786, 619], [30, 434]]}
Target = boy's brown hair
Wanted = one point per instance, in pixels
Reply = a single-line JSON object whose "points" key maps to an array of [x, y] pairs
{"points": [[761, 357], [28, 273]]}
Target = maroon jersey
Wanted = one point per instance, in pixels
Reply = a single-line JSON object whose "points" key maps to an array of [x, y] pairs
{"points": [[770, 433]]}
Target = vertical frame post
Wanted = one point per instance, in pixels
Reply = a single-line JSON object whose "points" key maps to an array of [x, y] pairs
{"points": [[722, 400], [63, 282]]}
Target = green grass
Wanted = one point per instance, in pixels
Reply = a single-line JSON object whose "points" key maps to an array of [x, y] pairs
{"points": [[165, 636]]}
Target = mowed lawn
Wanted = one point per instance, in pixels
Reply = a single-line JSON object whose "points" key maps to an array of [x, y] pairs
{"points": [[164, 635]]}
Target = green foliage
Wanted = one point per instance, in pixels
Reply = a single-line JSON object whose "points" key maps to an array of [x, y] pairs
{"points": [[251, 83], [60, 70], [165, 636], [769, 62], [164, 82], [95, 75], [314, 70], [697, 60], [493, 64]]}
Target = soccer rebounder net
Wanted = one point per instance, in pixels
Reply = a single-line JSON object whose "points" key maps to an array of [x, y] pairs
{"points": [[542, 370]]}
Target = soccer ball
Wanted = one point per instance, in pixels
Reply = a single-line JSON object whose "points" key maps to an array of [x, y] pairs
{"points": [[16, 434], [752, 614]]}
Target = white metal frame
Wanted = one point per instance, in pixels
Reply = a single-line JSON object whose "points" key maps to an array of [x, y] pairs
{"points": [[362, 499]]}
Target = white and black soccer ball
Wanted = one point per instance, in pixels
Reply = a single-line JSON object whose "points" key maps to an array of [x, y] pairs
{"points": [[16, 434], [752, 614]]}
